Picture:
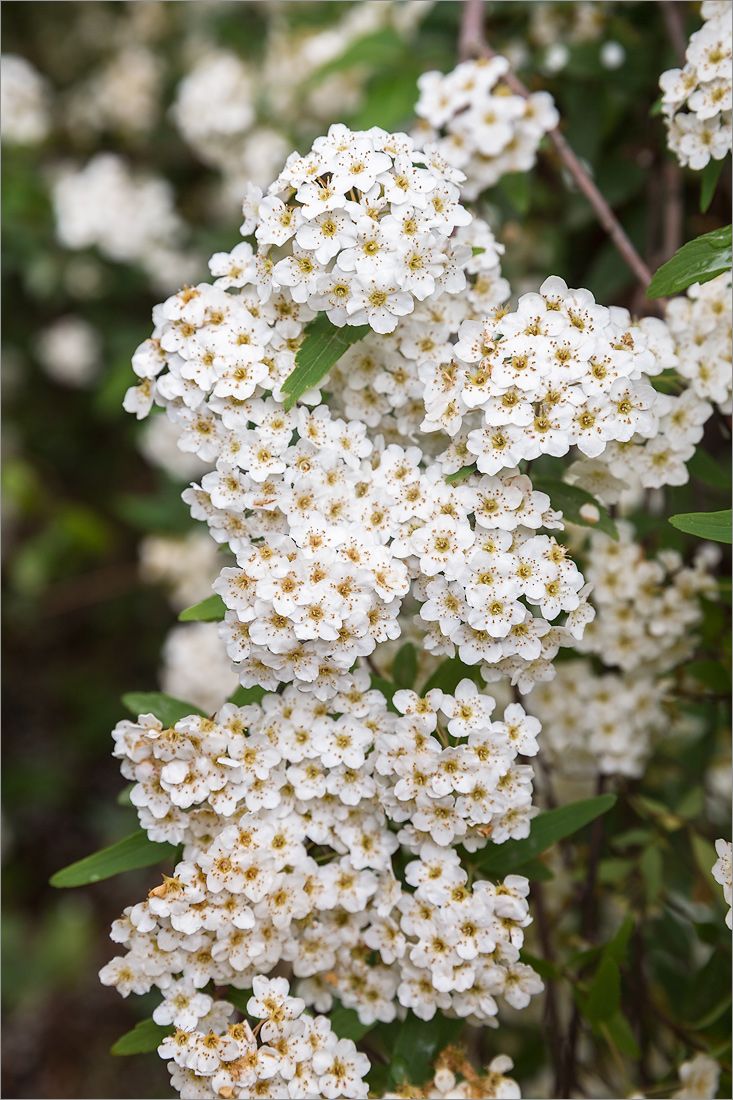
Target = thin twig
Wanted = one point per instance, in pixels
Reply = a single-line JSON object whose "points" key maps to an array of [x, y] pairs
{"points": [[675, 28], [471, 33], [472, 39]]}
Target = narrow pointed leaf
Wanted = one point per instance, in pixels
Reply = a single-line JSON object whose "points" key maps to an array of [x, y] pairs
{"points": [[715, 526], [323, 344], [127, 855], [165, 708], [210, 610], [546, 829], [144, 1037], [698, 261]]}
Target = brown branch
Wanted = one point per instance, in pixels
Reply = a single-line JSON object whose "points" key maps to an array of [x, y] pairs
{"points": [[675, 28], [472, 40], [471, 32]]}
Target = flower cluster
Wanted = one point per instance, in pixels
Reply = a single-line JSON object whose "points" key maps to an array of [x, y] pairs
{"points": [[456, 1079], [287, 1053], [599, 724], [129, 218], [647, 609], [705, 88], [722, 874], [25, 102], [700, 323], [331, 525], [473, 120], [284, 810], [70, 351]]}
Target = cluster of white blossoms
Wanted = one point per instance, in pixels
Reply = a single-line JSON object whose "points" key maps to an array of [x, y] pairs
{"points": [[24, 105], [284, 810], [647, 609], [286, 1053], [700, 323], [70, 351], [457, 1079], [129, 217], [722, 874], [331, 525], [599, 724], [195, 666], [705, 88], [474, 120]]}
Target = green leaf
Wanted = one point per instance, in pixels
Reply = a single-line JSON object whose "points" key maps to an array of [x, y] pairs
{"points": [[144, 1037], [616, 948], [546, 829], [705, 525], [381, 49], [704, 467], [449, 674], [535, 871], [710, 177], [244, 696], [127, 855], [323, 344], [698, 261], [164, 707], [704, 853], [238, 998], [346, 1023], [547, 971], [604, 997], [404, 666], [651, 866], [569, 499], [387, 689], [210, 610], [459, 475], [711, 1016], [418, 1043], [517, 187], [710, 673], [622, 1036]]}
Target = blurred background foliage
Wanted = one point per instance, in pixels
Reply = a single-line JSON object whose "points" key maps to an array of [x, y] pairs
{"points": [[81, 628]]}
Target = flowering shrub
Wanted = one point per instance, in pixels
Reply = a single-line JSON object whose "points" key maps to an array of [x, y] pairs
{"points": [[393, 809]]}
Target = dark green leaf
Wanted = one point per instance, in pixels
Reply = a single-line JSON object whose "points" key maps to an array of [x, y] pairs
{"points": [[448, 676], [387, 689], [323, 344], [517, 187], [704, 467], [546, 829], [535, 871], [710, 176], [144, 1037], [705, 525], [459, 475], [652, 871], [698, 261], [210, 610], [128, 854], [569, 499], [710, 1017], [546, 970], [244, 696], [617, 947], [239, 998], [164, 707], [418, 1044], [404, 666], [604, 997], [710, 673], [622, 1036], [346, 1023]]}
